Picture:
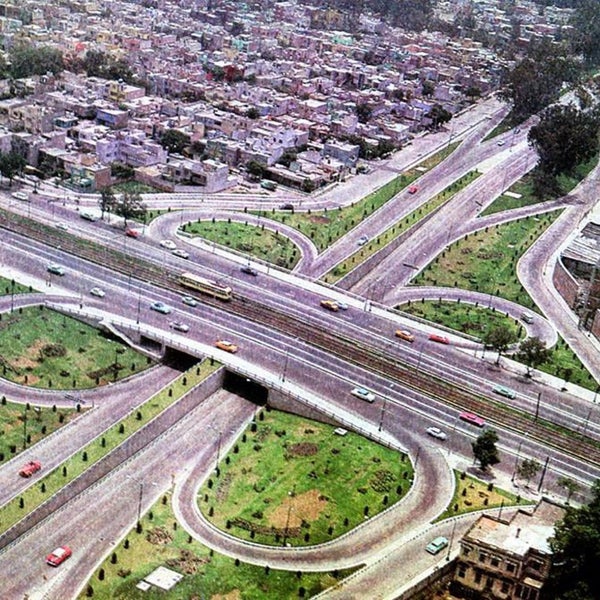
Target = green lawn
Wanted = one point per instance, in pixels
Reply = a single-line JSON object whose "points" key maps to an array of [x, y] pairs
{"points": [[466, 318], [207, 574], [22, 425], [485, 261], [46, 349], [267, 245], [10, 286], [292, 481]]}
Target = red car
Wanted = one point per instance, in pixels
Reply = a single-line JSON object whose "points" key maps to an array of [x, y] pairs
{"points": [[413, 189], [33, 466], [434, 337], [134, 233], [58, 556], [472, 418]]}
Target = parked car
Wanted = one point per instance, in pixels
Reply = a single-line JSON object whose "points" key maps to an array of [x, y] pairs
{"points": [[504, 391], [133, 233], [440, 339], [179, 326], [58, 556], [189, 300], [180, 253], [471, 418], [437, 545], [28, 469], [227, 346], [161, 307], [363, 394], [405, 335], [249, 270], [330, 305], [168, 244], [56, 269], [436, 433]]}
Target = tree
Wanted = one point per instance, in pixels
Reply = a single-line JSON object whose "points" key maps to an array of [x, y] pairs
{"points": [[255, 169], [27, 60], [107, 201], [564, 138], [484, 449], [528, 469], [130, 206], [252, 113], [532, 352], [363, 111], [439, 115], [427, 88], [570, 485], [576, 547], [499, 338], [586, 28], [174, 140], [11, 163]]}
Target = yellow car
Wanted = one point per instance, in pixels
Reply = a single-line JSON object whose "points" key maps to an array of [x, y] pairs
{"points": [[227, 346], [330, 305]]}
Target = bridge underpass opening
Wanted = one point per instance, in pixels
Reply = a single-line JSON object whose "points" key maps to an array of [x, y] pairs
{"points": [[179, 360], [246, 388]]}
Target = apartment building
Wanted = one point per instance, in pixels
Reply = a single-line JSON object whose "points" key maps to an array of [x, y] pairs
{"points": [[507, 559]]}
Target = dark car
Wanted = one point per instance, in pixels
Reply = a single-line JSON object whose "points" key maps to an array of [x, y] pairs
{"points": [[249, 270], [286, 206]]}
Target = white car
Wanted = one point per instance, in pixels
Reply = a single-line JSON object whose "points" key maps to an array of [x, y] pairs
{"points": [[178, 326], [96, 291], [62, 226], [363, 394], [168, 244], [189, 300], [436, 433], [180, 253]]}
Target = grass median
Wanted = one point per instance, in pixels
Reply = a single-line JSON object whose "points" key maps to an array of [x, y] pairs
{"points": [[102, 445], [291, 481]]}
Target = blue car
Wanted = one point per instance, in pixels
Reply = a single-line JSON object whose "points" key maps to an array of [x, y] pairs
{"points": [[161, 307]]}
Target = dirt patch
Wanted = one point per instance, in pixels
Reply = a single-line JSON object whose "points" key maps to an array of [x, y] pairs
{"points": [[301, 449], [159, 535], [187, 562], [295, 509], [319, 219], [233, 595], [30, 356]]}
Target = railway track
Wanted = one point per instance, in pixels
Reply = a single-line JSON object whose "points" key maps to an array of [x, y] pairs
{"points": [[351, 349]]}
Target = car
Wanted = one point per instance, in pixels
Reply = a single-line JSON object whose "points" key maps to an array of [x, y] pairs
{"points": [[405, 335], [249, 270], [180, 253], [99, 292], [330, 305], [362, 240], [24, 196], [178, 326], [505, 391], [437, 545], [227, 346], [471, 418], [56, 270], [133, 233], [168, 244], [161, 307], [88, 216], [500, 142], [440, 339], [189, 300], [286, 206], [58, 556], [436, 432], [341, 305], [62, 226], [363, 394], [526, 318], [28, 469], [413, 189]]}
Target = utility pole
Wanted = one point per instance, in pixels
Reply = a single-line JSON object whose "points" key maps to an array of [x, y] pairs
{"points": [[543, 473]]}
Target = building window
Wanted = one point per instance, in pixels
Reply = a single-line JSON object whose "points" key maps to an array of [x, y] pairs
{"points": [[466, 550], [505, 588], [482, 557], [511, 567], [536, 565], [477, 577], [494, 561], [461, 571]]}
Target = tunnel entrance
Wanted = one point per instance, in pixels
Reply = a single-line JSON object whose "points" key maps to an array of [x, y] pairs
{"points": [[246, 388]]}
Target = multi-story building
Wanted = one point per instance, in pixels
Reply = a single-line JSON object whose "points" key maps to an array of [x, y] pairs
{"points": [[507, 560]]}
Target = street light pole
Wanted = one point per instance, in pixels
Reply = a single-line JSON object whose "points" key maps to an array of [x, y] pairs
{"points": [[382, 414], [516, 462]]}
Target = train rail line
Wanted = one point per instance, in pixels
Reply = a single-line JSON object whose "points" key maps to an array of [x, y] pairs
{"points": [[351, 349]]}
